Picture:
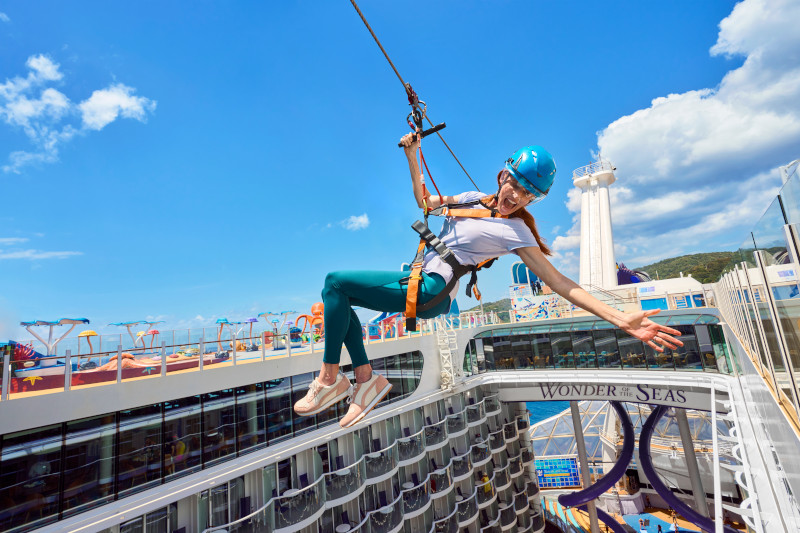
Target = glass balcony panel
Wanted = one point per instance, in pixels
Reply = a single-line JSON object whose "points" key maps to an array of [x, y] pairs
{"points": [[456, 423], [461, 465], [435, 434], [446, 525], [388, 517], [479, 453], [497, 441], [523, 521], [509, 431], [415, 498], [440, 480], [527, 456], [410, 447], [515, 466], [531, 488], [538, 521], [382, 462], [295, 506], [484, 492], [507, 516], [520, 501], [467, 509], [343, 482], [492, 404], [501, 478]]}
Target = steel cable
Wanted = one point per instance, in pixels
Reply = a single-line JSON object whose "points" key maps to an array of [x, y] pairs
{"points": [[406, 88]]}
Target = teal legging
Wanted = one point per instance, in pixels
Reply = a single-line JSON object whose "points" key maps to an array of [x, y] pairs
{"points": [[377, 290]]}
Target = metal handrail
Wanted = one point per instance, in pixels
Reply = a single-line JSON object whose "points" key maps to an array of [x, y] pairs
{"points": [[592, 168]]}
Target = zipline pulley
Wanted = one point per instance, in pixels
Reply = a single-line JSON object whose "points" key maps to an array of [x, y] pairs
{"points": [[417, 115]]}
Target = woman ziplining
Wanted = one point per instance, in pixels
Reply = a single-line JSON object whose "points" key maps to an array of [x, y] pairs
{"points": [[477, 229]]}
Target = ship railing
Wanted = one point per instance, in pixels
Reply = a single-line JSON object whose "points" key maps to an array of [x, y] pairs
{"points": [[448, 524]]}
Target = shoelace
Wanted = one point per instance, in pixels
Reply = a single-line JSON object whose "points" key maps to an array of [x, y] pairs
{"points": [[313, 388], [351, 392]]}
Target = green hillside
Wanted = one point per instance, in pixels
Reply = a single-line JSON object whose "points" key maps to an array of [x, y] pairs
{"points": [[705, 268]]}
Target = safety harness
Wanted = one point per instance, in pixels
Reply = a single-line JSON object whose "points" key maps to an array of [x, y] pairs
{"points": [[429, 241]]}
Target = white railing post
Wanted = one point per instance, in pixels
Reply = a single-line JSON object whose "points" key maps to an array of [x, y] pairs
{"points": [[67, 370], [233, 349], [119, 363], [164, 358], [6, 373], [263, 346], [202, 350], [288, 341]]}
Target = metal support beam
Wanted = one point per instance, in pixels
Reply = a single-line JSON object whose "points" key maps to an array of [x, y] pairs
{"points": [[584, 460], [691, 462]]}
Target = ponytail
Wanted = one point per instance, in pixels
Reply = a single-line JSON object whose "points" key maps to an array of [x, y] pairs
{"points": [[529, 221]]}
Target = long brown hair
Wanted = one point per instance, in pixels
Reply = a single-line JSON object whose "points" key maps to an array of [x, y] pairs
{"points": [[526, 217]]}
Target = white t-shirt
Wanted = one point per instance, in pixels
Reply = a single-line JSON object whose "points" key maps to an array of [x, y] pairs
{"points": [[473, 240]]}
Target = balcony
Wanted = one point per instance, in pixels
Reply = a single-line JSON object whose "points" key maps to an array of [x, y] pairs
{"points": [[441, 480], [531, 489], [475, 414], [415, 498], [501, 478], [435, 434], [462, 466], [456, 424], [521, 502], [295, 505], [510, 431], [387, 518], [523, 521], [480, 454], [538, 521], [492, 404], [446, 525], [485, 492], [515, 465], [508, 516], [345, 481], [466, 510], [527, 456], [381, 462], [410, 448], [497, 441]]}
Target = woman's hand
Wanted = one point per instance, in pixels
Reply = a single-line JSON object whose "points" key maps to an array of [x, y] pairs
{"points": [[410, 142], [638, 325]]}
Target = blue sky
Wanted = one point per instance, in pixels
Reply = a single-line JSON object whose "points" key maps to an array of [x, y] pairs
{"points": [[192, 161]]}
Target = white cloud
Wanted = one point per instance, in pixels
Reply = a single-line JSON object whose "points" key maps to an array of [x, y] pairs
{"points": [[104, 106], [4, 241], [31, 255], [355, 223], [4, 17], [698, 168], [47, 117]]}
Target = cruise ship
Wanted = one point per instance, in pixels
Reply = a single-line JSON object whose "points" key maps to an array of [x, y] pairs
{"points": [[193, 431]]}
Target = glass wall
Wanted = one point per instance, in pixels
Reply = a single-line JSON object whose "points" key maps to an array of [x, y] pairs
{"points": [[596, 344], [54, 472]]}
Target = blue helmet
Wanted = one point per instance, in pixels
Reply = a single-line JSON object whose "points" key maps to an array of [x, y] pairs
{"points": [[533, 167]]}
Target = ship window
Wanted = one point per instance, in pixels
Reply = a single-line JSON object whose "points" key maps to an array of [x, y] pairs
{"points": [[250, 417], [219, 421], [30, 467], [279, 407], [89, 463], [183, 429], [139, 457], [300, 383]]}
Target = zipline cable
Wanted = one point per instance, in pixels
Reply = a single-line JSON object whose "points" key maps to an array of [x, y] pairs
{"points": [[409, 91]]}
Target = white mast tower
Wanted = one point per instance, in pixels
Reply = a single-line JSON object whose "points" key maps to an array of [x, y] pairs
{"points": [[598, 268]]}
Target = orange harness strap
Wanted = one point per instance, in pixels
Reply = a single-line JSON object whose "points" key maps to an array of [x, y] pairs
{"points": [[412, 291], [471, 213]]}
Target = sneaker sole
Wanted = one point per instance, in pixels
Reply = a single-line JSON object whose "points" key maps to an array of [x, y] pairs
{"points": [[321, 408], [370, 406]]}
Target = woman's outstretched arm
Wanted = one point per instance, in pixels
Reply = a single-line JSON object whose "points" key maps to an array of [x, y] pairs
{"points": [[410, 144], [635, 324]]}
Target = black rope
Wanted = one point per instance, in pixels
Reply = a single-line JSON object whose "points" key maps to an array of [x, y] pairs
{"points": [[407, 89]]}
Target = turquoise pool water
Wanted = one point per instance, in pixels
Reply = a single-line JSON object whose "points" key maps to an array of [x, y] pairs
{"points": [[542, 410]]}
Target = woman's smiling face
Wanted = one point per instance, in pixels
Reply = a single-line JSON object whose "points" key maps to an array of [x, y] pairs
{"points": [[512, 195]]}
